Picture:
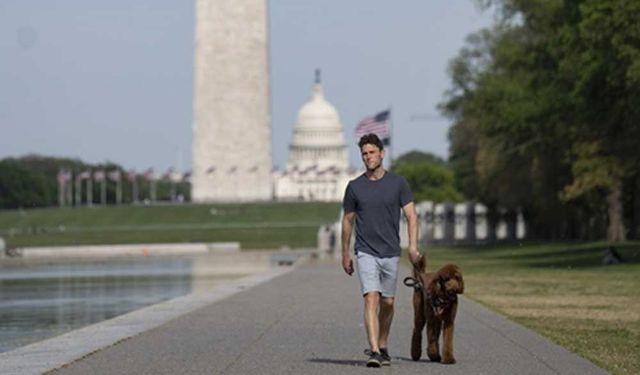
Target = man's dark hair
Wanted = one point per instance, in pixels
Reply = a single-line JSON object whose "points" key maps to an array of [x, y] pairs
{"points": [[370, 139]]}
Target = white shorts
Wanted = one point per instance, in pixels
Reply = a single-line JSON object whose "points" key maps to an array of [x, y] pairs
{"points": [[377, 274]]}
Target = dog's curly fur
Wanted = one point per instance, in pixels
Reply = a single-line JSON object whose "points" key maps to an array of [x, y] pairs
{"points": [[435, 304]]}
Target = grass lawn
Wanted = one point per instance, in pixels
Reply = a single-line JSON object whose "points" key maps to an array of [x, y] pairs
{"points": [[255, 226], [561, 291]]}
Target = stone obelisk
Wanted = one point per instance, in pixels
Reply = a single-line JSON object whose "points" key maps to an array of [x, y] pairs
{"points": [[232, 119]]}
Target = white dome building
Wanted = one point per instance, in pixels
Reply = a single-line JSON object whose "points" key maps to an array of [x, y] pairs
{"points": [[318, 164]]}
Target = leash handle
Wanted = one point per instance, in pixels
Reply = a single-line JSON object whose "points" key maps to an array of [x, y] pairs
{"points": [[412, 283]]}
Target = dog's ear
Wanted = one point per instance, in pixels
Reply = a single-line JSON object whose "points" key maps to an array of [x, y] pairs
{"points": [[460, 282]]}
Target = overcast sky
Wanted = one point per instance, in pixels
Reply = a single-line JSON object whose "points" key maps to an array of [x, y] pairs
{"points": [[113, 80]]}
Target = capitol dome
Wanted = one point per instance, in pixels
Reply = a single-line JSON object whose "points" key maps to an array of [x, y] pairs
{"points": [[318, 140]]}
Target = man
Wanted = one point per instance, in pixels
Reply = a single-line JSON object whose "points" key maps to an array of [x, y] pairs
{"points": [[375, 199]]}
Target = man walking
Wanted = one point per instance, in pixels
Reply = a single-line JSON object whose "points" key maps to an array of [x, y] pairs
{"points": [[375, 199]]}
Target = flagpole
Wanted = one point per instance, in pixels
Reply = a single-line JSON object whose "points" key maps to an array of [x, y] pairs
{"points": [[69, 190], [78, 190], [103, 188], [89, 191], [119, 190], [134, 190], [61, 184], [391, 137], [153, 190]]}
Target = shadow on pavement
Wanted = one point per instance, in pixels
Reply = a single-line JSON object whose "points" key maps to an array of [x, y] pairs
{"points": [[421, 360], [344, 362], [350, 362]]}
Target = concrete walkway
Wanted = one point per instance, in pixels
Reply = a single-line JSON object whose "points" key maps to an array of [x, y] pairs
{"points": [[309, 321]]}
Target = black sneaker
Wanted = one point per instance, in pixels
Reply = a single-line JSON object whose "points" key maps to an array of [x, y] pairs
{"points": [[386, 358], [375, 360]]}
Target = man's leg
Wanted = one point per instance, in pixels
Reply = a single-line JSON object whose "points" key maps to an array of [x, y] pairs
{"points": [[384, 318], [371, 303], [388, 278]]}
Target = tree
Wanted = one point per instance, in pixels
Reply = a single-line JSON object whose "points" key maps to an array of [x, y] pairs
{"points": [[20, 187], [428, 176], [603, 59], [549, 100]]}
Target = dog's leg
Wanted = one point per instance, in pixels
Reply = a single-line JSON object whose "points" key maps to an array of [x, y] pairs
{"points": [[418, 324], [447, 337], [434, 325]]}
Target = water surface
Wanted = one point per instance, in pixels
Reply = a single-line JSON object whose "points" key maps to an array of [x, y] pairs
{"points": [[39, 301]]}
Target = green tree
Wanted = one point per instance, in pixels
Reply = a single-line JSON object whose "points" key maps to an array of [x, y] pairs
{"points": [[21, 187], [545, 112], [428, 176], [603, 60], [501, 151], [48, 167]]}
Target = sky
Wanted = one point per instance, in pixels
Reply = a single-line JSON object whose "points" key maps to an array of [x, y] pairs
{"points": [[113, 80]]}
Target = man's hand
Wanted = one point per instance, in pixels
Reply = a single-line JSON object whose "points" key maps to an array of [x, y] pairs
{"points": [[414, 256], [347, 264], [347, 226]]}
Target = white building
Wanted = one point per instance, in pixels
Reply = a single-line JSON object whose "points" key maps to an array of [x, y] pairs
{"points": [[318, 165]]}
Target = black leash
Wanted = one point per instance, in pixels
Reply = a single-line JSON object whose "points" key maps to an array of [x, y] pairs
{"points": [[412, 282]]}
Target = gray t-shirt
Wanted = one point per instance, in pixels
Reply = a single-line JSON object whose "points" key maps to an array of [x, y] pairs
{"points": [[377, 205]]}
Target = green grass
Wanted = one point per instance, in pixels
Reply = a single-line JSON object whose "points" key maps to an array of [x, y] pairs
{"points": [[256, 225], [561, 291]]}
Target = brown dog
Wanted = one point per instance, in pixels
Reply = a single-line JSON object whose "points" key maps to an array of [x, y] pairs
{"points": [[435, 302]]}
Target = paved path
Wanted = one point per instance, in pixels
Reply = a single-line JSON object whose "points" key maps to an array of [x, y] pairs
{"points": [[308, 321]]}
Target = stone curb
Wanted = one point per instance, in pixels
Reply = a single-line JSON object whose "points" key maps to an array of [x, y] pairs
{"points": [[126, 250]]}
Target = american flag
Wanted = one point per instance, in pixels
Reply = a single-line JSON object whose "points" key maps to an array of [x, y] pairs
{"points": [[98, 175], [149, 175], [84, 175], [114, 175], [378, 124], [131, 175], [63, 176]]}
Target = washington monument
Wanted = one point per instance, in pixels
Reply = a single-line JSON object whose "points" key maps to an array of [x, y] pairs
{"points": [[232, 120]]}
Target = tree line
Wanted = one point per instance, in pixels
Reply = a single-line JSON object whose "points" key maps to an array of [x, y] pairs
{"points": [[546, 116], [32, 181]]}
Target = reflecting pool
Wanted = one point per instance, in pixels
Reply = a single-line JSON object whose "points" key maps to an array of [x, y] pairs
{"points": [[42, 300]]}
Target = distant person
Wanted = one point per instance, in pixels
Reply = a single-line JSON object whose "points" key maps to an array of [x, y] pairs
{"points": [[323, 239], [332, 241], [375, 199], [611, 256]]}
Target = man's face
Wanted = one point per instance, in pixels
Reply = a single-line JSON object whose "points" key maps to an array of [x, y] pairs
{"points": [[371, 156]]}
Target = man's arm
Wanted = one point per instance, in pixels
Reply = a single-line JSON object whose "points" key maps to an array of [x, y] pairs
{"points": [[412, 220], [347, 226]]}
